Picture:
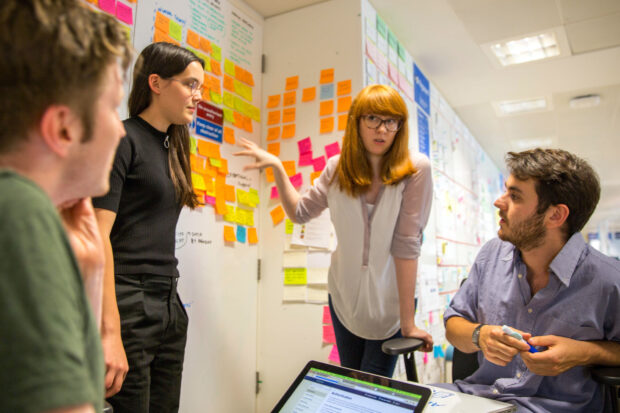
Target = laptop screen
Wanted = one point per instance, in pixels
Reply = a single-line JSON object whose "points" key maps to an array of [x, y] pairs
{"points": [[328, 388]]}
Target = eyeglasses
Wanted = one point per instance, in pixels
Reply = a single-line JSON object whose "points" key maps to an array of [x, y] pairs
{"points": [[375, 122], [192, 85]]}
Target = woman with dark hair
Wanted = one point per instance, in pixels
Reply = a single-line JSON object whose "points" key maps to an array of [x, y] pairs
{"points": [[149, 185], [379, 197]]}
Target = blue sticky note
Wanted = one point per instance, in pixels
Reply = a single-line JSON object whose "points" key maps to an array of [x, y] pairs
{"points": [[241, 232], [327, 91]]}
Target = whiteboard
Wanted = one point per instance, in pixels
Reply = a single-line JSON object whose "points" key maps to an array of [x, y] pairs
{"points": [[218, 281]]}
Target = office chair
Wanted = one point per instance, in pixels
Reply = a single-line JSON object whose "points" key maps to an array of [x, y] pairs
{"points": [[406, 347], [610, 377]]}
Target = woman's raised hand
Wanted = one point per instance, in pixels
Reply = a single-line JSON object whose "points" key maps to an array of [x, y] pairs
{"points": [[263, 158]]}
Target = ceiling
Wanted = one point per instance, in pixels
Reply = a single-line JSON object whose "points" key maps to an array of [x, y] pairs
{"points": [[445, 38]]}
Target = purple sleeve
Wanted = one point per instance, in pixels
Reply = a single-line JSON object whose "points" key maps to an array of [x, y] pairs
{"points": [[314, 201], [414, 211]]}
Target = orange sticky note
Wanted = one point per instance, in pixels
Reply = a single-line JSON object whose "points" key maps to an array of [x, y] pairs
{"points": [[314, 175], [327, 108], [327, 125], [229, 135], [224, 168], [247, 124], [205, 45], [327, 76], [162, 22], [289, 167], [289, 98], [308, 94], [230, 193], [344, 104], [288, 115], [196, 163], [269, 175], [277, 215], [250, 79], [159, 36], [274, 148], [343, 88], [229, 233], [273, 101], [229, 83], [238, 120], [193, 39], [209, 149], [252, 236], [273, 133], [273, 117], [342, 121], [216, 69], [292, 83], [220, 205], [288, 131]]}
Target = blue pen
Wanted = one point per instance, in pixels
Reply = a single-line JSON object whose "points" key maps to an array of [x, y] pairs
{"points": [[518, 336]]}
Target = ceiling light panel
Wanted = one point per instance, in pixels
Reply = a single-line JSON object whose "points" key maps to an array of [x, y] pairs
{"points": [[514, 107]]}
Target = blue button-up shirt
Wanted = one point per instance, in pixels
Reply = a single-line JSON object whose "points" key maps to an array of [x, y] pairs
{"points": [[581, 301]]}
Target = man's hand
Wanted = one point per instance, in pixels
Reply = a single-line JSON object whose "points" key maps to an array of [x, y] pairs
{"points": [[562, 354], [80, 223], [415, 332], [115, 362], [498, 347]]}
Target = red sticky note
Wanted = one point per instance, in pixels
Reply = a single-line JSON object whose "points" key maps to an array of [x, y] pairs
{"points": [[296, 180], [124, 13], [305, 159], [327, 315], [318, 163], [334, 356], [274, 192], [305, 145], [332, 149], [329, 336]]}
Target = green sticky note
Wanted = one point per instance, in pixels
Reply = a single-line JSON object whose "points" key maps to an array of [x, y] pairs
{"points": [[215, 162], [229, 67], [392, 41], [216, 52], [175, 30], [295, 276], [288, 227], [401, 52], [192, 145], [207, 60], [229, 100], [215, 97], [381, 27], [228, 115]]}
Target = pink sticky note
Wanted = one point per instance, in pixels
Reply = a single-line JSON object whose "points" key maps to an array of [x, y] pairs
{"points": [[297, 180], [430, 317], [305, 145], [318, 163], [332, 149], [109, 6], [124, 13], [329, 336], [274, 192], [334, 357], [327, 315], [305, 159], [425, 356], [210, 200]]}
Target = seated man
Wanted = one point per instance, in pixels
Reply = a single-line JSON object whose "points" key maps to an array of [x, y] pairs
{"points": [[61, 82], [542, 280]]}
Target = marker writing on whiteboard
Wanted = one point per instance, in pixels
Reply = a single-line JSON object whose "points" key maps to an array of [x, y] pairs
{"points": [[518, 336]]}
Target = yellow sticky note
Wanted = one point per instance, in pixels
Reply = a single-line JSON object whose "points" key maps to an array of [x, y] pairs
{"points": [[288, 226], [215, 162], [295, 276], [254, 198], [228, 115], [288, 131], [343, 88], [327, 125], [292, 83], [273, 101], [289, 98], [252, 236], [198, 182], [326, 108], [229, 233], [229, 100], [216, 97], [175, 30], [308, 94], [231, 215], [277, 215], [229, 67], [216, 52]]}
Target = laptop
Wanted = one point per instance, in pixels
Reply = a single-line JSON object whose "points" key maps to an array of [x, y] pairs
{"points": [[322, 387]]}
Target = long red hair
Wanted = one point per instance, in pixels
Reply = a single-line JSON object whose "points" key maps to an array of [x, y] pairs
{"points": [[354, 171]]}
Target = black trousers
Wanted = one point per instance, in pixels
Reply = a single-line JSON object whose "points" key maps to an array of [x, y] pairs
{"points": [[154, 332]]}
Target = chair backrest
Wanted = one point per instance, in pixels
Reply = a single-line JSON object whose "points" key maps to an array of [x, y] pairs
{"points": [[463, 364]]}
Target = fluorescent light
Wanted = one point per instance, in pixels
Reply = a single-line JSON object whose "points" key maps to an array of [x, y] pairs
{"points": [[513, 107], [524, 144], [526, 49]]}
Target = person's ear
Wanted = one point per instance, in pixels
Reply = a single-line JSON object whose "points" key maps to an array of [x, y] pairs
{"points": [[557, 215], [155, 83], [60, 129]]}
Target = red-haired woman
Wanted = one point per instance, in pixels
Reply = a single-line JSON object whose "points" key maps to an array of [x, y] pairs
{"points": [[379, 197]]}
